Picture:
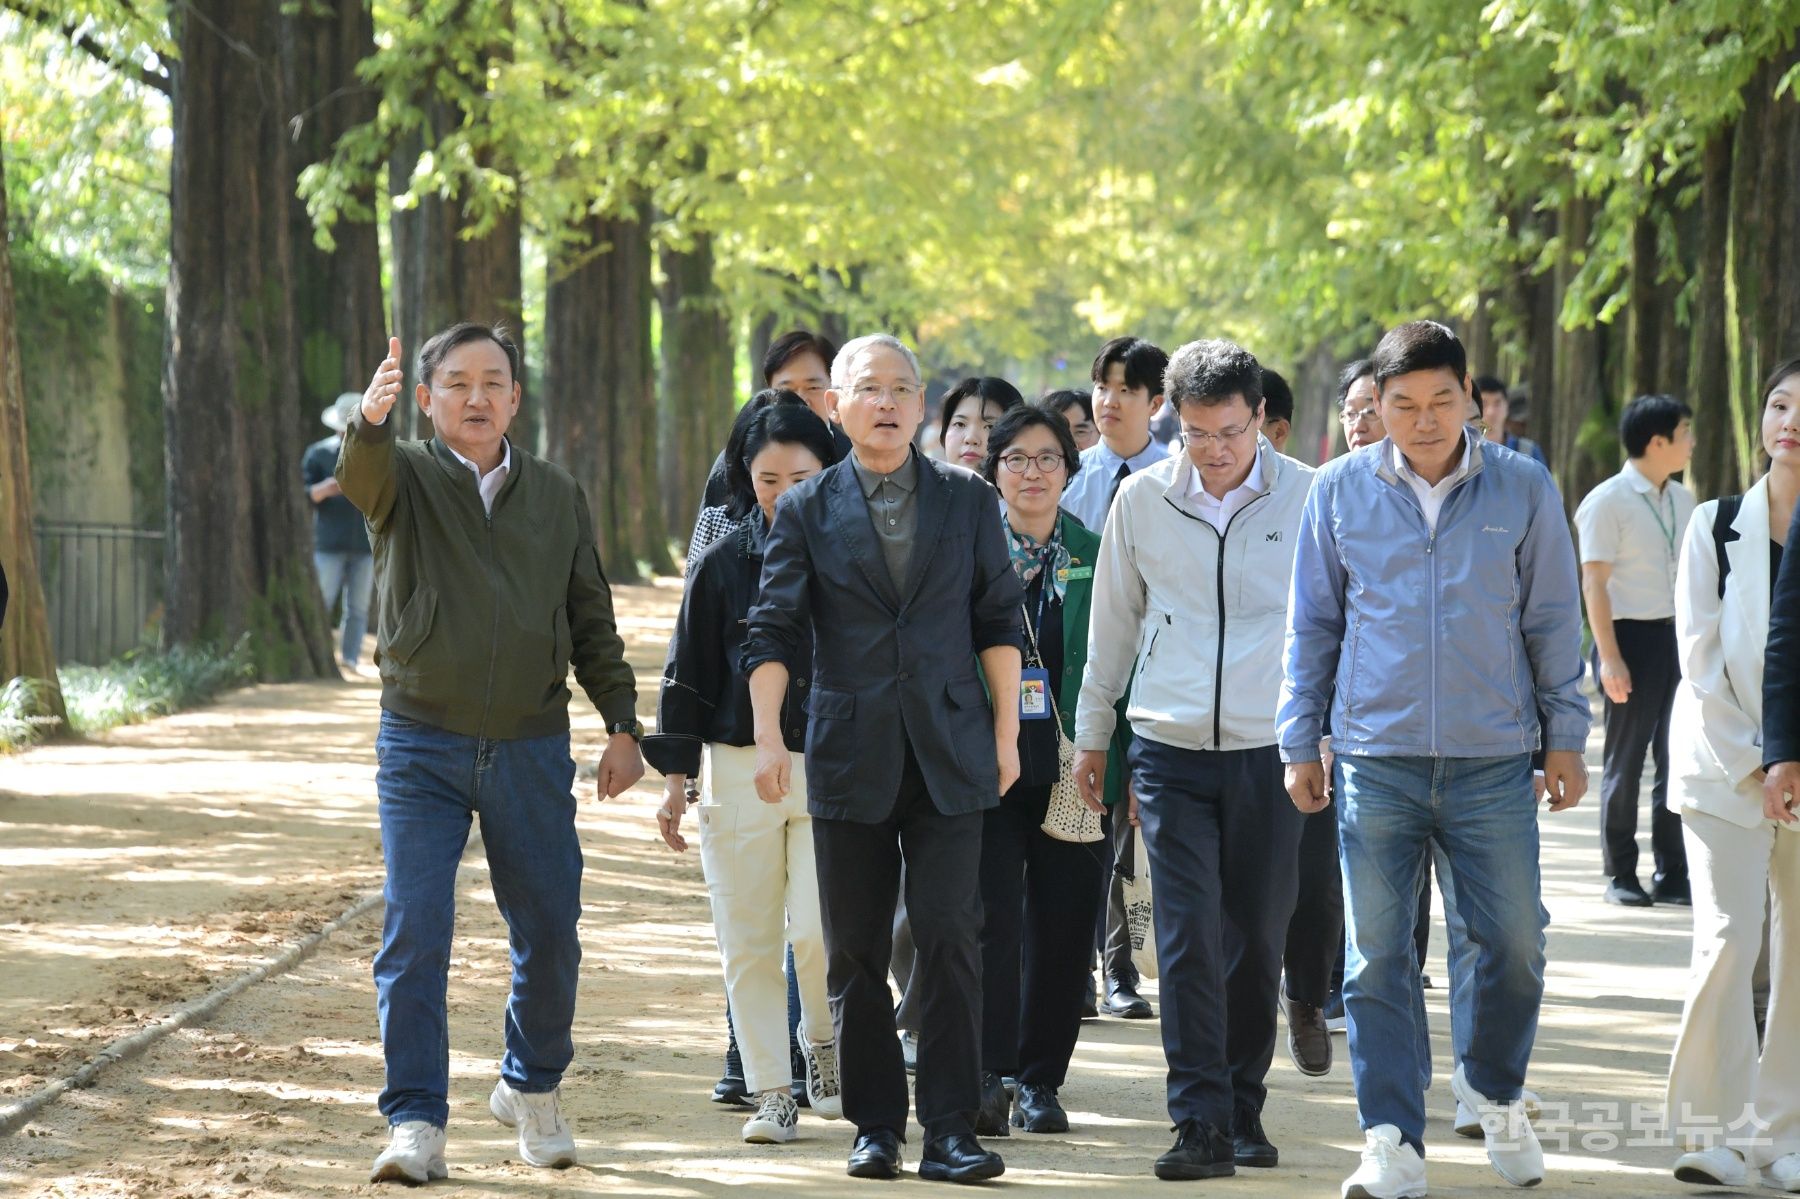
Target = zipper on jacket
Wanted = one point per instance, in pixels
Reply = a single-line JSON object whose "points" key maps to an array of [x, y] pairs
{"points": [[1431, 628], [1219, 650], [487, 707]]}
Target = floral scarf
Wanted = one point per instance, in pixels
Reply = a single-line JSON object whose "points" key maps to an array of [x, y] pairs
{"points": [[1028, 558]]}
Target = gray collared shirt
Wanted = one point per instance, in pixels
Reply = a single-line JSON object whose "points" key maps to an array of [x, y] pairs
{"points": [[894, 510]]}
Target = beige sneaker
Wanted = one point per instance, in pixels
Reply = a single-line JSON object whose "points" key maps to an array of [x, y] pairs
{"points": [[544, 1136], [414, 1153]]}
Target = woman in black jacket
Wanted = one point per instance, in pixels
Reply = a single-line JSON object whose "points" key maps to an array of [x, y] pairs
{"points": [[758, 857]]}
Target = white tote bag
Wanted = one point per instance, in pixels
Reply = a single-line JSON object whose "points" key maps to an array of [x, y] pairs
{"points": [[1140, 918]]}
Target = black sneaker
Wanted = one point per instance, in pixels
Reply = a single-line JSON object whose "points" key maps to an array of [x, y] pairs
{"points": [[1249, 1146], [1672, 891], [1627, 892], [996, 1105], [730, 1089], [1200, 1151]]}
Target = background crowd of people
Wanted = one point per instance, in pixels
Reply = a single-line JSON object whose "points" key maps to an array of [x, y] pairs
{"points": [[927, 707]]}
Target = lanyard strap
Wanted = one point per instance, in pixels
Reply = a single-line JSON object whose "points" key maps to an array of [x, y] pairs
{"points": [[1667, 527]]}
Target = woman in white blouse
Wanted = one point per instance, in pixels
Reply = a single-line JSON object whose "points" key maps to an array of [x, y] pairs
{"points": [[1730, 1112]]}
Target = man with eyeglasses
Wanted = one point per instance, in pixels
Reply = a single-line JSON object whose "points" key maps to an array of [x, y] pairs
{"points": [[1190, 600], [1356, 405], [896, 569]]}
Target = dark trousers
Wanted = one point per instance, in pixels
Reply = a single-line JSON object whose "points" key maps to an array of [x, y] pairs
{"points": [[1314, 958], [859, 869], [1036, 893], [1223, 840], [1112, 939], [1641, 724]]}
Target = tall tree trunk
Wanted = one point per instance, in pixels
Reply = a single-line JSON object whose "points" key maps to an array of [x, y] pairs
{"points": [[762, 336], [599, 366], [1578, 385], [25, 645], [695, 378], [442, 274], [1709, 366], [1764, 253], [342, 327], [238, 540]]}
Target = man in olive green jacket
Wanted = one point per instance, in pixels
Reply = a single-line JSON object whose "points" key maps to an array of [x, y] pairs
{"points": [[490, 590]]}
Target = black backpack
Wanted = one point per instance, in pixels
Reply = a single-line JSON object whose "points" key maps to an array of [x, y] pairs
{"points": [[1723, 534]]}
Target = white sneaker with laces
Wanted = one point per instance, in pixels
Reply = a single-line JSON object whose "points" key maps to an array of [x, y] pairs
{"points": [[1783, 1174], [1468, 1123], [1391, 1169], [1512, 1144], [414, 1153], [822, 1088], [1720, 1166], [776, 1120], [545, 1139]]}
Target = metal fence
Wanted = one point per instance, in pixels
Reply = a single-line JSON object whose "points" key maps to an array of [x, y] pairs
{"points": [[103, 586]]}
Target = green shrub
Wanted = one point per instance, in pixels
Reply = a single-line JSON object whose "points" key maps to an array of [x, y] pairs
{"points": [[142, 685]]}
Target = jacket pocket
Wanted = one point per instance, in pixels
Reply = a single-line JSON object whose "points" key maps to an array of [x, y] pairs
{"points": [[829, 704], [965, 693], [413, 626]]}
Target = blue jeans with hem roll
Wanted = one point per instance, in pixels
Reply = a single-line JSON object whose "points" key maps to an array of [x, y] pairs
{"points": [[432, 785], [351, 576], [1481, 812]]}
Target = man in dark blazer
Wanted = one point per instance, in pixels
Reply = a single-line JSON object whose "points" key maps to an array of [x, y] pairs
{"points": [[1781, 691], [897, 568]]}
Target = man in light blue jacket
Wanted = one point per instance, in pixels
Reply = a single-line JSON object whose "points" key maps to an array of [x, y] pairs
{"points": [[1435, 594]]}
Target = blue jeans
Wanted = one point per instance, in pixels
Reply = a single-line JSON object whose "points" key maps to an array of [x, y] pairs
{"points": [[1481, 812], [432, 784], [350, 575]]}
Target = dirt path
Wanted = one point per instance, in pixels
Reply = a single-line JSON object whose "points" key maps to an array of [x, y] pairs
{"points": [[149, 866]]}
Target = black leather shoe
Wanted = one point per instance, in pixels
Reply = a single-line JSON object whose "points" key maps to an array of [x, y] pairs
{"points": [[1249, 1147], [990, 1118], [1038, 1110], [1309, 1042], [1200, 1151], [1090, 999], [730, 1089], [1122, 1000], [959, 1157], [876, 1154], [1627, 892], [1672, 891]]}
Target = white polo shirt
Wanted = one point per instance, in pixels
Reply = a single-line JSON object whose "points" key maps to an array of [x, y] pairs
{"points": [[1431, 497], [1625, 521], [1218, 513]]}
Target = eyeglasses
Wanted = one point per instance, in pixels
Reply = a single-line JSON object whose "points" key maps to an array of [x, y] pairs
{"points": [[900, 393], [1048, 462], [1202, 438], [1362, 416]]}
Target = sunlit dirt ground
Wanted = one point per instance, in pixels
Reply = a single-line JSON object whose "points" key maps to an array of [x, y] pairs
{"points": [[144, 868]]}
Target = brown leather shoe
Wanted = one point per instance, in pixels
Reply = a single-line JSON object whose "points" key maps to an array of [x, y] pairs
{"points": [[1309, 1042]]}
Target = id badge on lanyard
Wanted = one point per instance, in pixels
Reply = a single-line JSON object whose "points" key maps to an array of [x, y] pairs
{"points": [[1034, 680]]}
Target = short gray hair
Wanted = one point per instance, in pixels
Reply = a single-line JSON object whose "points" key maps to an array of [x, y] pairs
{"points": [[869, 341]]}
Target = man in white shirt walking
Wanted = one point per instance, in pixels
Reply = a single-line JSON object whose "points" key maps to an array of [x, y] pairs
{"points": [[1190, 601], [1128, 393], [1630, 529]]}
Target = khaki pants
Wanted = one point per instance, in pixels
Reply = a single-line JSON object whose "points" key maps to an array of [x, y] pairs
{"points": [[758, 859], [1719, 1092]]}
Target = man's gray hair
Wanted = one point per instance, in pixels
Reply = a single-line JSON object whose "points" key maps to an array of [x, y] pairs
{"points": [[840, 365]]}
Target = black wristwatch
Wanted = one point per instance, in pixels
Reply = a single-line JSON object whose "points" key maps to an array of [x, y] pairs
{"points": [[634, 727]]}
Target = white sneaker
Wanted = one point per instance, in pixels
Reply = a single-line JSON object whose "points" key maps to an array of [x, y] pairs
{"points": [[414, 1153], [1512, 1144], [1720, 1166], [1391, 1169], [1783, 1174], [776, 1120], [544, 1137], [1468, 1122], [822, 1088]]}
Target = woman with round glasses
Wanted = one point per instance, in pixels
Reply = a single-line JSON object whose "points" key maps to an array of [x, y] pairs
{"points": [[1042, 896]]}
